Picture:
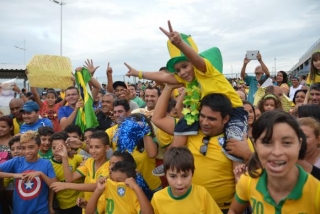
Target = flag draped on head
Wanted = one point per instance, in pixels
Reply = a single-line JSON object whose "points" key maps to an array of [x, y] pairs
{"points": [[86, 117]]}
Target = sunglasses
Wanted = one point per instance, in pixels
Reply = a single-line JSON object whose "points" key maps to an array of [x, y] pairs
{"points": [[204, 147]]}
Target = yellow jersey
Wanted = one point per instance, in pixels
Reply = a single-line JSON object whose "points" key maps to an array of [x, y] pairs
{"points": [[118, 198], [67, 198], [316, 79], [91, 174], [212, 81], [304, 198], [214, 170], [196, 200]]}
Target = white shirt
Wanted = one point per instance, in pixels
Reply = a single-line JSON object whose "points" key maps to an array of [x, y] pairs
{"points": [[293, 91]]}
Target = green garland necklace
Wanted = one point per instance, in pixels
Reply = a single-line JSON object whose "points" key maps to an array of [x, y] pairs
{"points": [[191, 102]]}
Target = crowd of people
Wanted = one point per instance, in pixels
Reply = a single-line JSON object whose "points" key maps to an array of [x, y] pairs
{"points": [[187, 141]]}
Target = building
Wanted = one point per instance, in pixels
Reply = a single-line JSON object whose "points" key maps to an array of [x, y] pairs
{"points": [[303, 66]]}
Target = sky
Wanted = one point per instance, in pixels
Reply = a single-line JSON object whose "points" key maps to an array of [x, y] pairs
{"points": [[119, 31]]}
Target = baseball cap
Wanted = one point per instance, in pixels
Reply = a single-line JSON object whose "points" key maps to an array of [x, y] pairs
{"points": [[295, 78], [119, 83], [30, 106]]}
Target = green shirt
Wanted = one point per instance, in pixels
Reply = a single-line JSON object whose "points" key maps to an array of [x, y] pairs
{"points": [[47, 155]]}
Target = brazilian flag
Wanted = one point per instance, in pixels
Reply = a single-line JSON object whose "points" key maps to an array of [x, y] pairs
{"points": [[86, 117]]}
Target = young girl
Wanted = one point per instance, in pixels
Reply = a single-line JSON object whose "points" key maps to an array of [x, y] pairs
{"points": [[314, 75], [275, 184], [269, 102], [248, 107]]}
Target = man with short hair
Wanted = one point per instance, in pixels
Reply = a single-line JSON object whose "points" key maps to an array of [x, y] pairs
{"points": [[206, 146], [252, 81], [315, 93], [122, 92], [151, 97], [67, 114], [134, 96], [15, 106], [294, 87], [30, 115], [106, 111]]}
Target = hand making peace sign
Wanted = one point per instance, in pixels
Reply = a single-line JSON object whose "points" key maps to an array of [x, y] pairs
{"points": [[173, 36]]}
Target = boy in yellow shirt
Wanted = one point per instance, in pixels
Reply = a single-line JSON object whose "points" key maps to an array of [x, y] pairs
{"points": [[201, 75], [181, 193], [121, 192], [66, 198]]}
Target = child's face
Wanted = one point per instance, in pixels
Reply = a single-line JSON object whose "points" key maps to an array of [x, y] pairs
{"points": [[118, 176], [30, 150], [45, 145], [179, 182], [55, 145], [97, 149], [113, 160], [257, 112], [269, 105], [87, 136], [15, 149], [51, 99], [173, 113], [74, 135], [185, 70], [316, 64]]}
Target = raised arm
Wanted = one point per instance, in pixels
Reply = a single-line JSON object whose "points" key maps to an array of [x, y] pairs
{"points": [[263, 66], [159, 117], [36, 96], [150, 146], [68, 174], [243, 69], [92, 203], [155, 76], [93, 82], [175, 38], [109, 79], [145, 206]]}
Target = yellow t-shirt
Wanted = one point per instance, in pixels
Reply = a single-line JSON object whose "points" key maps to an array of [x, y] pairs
{"points": [[91, 174], [67, 198], [145, 165], [165, 139], [16, 126], [118, 198], [303, 198], [196, 200], [212, 81], [214, 171], [310, 82]]}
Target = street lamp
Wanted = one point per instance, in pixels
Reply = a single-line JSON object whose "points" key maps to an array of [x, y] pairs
{"points": [[24, 51], [275, 65], [61, 4]]}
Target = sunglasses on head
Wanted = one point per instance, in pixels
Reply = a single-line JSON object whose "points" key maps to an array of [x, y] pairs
{"points": [[204, 147]]}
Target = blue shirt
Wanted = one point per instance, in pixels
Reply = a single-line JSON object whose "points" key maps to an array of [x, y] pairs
{"points": [[35, 126], [30, 197], [253, 85], [65, 111]]}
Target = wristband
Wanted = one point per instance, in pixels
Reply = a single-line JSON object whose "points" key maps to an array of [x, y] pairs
{"points": [[140, 75], [83, 145]]}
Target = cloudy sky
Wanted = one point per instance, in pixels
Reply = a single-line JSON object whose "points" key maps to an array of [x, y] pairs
{"points": [[118, 31]]}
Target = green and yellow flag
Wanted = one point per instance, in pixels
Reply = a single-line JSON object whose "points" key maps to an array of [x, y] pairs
{"points": [[86, 117]]}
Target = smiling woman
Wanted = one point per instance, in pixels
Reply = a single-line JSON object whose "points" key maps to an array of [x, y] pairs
{"points": [[275, 181]]}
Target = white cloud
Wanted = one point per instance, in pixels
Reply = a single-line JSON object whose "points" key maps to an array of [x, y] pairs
{"points": [[119, 31]]}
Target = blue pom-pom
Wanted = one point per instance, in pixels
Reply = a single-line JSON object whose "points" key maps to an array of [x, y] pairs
{"points": [[129, 132]]}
